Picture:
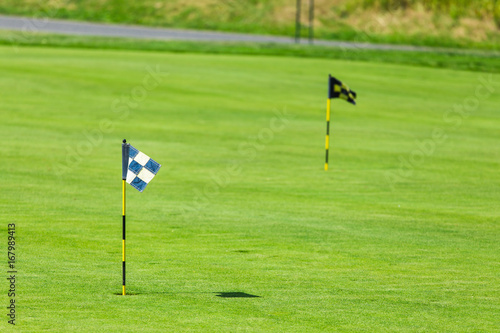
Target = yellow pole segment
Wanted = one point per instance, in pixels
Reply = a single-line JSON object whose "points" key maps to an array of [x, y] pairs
{"points": [[123, 197]]}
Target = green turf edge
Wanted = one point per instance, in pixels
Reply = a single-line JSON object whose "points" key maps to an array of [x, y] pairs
{"points": [[451, 59]]}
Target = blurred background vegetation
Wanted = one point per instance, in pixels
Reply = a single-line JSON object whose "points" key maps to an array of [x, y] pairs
{"points": [[448, 23]]}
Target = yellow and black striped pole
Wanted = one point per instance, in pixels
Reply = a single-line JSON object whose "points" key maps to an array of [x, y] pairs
{"points": [[327, 141], [328, 109], [125, 154]]}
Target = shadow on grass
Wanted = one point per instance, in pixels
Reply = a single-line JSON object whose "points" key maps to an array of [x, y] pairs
{"points": [[234, 294]]}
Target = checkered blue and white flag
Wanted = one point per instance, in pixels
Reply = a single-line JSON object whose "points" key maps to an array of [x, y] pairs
{"points": [[141, 169]]}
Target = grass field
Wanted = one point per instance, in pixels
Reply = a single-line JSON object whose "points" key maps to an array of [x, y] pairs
{"points": [[401, 234], [472, 60]]}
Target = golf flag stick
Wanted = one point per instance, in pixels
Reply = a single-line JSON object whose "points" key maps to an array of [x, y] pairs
{"points": [[125, 155], [336, 89], [328, 107]]}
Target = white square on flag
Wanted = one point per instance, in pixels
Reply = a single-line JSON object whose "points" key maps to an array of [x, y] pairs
{"points": [[141, 169]]}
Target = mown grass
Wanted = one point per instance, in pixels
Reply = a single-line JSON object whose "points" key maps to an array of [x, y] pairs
{"points": [[242, 203], [437, 58]]}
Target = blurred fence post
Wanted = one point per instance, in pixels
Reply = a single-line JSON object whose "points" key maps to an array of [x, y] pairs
{"points": [[297, 22]]}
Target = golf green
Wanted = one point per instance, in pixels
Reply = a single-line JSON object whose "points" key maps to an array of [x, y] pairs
{"points": [[401, 234]]}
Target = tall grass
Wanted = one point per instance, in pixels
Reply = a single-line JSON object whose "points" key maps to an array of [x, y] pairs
{"points": [[456, 8], [479, 8], [339, 19], [433, 4]]}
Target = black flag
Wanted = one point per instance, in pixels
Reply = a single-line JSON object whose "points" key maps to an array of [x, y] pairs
{"points": [[339, 90]]}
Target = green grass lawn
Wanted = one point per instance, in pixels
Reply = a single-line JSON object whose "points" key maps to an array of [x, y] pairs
{"points": [[400, 235], [472, 60]]}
